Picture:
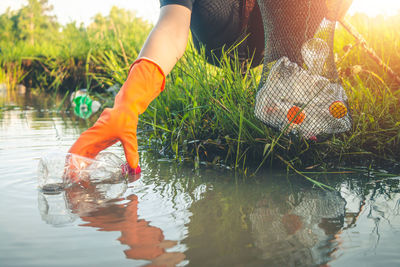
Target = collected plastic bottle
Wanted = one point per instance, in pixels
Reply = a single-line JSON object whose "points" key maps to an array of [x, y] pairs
{"points": [[315, 52], [315, 123], [3, 89], [57, 170], [83, 105]]}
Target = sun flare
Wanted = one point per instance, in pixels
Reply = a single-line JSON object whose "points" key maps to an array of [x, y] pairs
{"points": [[373, 7]]}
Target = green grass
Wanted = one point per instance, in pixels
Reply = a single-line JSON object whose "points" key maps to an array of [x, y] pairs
{"points": [[64, 58], [205, 114]]}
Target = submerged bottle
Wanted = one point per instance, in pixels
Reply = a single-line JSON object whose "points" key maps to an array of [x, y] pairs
{"points": [[61, 202], [57, 170]]}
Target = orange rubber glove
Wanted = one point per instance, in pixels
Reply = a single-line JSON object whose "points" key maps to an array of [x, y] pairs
{"points": [[145, 82]]}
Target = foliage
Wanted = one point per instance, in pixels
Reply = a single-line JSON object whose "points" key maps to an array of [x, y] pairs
{"points": [[205, 114], [64, 57]]}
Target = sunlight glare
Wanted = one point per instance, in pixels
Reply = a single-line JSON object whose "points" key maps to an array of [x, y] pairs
{"points": [[373, 7]]}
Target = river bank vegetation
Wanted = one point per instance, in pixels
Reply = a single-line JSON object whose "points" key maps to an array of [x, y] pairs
{"points": [[205, 114]]}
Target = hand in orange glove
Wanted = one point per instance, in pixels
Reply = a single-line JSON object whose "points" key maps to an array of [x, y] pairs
{"points": [[144, 83]]}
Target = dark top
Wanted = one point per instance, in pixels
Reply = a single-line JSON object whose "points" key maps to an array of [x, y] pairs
{"points": [[221, 24]]}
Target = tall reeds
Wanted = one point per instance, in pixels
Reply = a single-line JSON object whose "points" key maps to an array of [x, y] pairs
{"points": [[205, 114]]}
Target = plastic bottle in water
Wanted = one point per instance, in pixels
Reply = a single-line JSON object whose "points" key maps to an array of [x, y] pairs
{"points": [[83, 105], [60, 201], [57, 170]]}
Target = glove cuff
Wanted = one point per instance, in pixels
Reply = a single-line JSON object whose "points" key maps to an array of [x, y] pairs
{"points": [[152, 62], [146, 80]]}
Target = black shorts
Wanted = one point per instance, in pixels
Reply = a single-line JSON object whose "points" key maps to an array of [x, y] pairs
{"points": [[219, 24]]}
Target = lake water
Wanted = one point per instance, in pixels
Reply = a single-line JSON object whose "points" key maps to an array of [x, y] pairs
{"points": [[174, 215]]}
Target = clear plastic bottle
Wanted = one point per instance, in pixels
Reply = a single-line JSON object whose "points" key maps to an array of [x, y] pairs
{"points": [[60, 201], [57, 170], [315, 52]]}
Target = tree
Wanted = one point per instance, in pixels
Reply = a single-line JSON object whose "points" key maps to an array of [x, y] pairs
{"points": [[7, 26], [34, 20]]}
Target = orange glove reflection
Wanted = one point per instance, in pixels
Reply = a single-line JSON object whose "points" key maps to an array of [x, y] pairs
{"points": [[144, 83], [145, 242]]}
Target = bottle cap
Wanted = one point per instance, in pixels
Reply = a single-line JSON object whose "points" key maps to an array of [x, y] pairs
{"points": [[83, 106], [296, 115], [338, 109]]}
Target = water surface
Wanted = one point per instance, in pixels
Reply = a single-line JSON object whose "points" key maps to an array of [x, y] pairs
{"points": [[174, 215]]}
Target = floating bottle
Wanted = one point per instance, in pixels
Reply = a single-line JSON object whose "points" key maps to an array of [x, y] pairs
{"points": [[83, 105]]}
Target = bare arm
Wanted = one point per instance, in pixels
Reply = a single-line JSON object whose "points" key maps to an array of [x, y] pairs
{"points": [[165, 45], [168, 39]]}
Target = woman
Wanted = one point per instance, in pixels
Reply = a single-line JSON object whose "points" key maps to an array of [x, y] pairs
{"points": [[214, 24]]}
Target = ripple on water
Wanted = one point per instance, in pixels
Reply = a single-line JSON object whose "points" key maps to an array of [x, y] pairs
{"points": [[230, 223]]}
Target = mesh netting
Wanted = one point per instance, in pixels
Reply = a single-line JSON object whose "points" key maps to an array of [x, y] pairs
{"points": [[301, 92]]}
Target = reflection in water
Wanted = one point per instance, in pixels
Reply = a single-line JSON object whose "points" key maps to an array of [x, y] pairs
{"points": [[239, 224], [254, 226], [216, 220], [372, 226], [100, 206], [226, 228], [298, 231], [228, 224]]}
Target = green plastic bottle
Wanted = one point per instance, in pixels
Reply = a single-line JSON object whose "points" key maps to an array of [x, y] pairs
{"points": [[83, 105]]}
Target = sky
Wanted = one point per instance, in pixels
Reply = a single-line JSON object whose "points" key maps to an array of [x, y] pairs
{"points": [[83, 10]]}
